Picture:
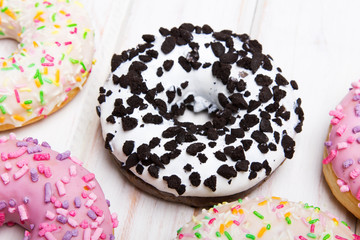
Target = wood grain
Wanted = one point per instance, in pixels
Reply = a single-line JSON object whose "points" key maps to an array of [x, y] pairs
{"points": [[314, 42]]}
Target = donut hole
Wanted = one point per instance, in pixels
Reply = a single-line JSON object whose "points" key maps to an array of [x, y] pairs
{"points": [[196, 117], [7, 47], [14, 232]]}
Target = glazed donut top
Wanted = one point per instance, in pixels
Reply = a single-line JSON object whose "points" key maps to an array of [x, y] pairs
{"points": [[54, 56], [253, 112], [265, 218], [50, 194], [343, 142]]}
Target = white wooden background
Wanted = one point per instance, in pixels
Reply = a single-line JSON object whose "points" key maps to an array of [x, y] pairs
{"points": [[315, 42]]}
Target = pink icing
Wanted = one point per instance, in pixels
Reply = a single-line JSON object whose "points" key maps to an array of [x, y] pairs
{"points": [[343, 152], [33, 195]]}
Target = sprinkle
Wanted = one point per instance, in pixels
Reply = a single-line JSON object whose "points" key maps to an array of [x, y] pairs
{"points": [[10, 13], [198, 235], [17, 95], [261, 232], [262, 203], [5, 178], [3, 98], [336, 114], [91, 214], [49, 236], [340, 131], [89, 177], [327, 236], [222, 228], [330, 157], [250, 236], [21, 172], [228, 224], [228, 235], [355, 173], [288, 220], [302, 238], [48, 192], [313, 221], [61, 219], [218, 234], [61, 188], [268, 227], [258, 215], [211, 221], [22, 212], [342, 145], [341, 238], [17, 153], [42, 157], [197, 227], [50, 215]]}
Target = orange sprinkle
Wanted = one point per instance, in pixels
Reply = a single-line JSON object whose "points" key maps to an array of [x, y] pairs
{"points": [[0, 19], [241, 211], [10, 14], [37, 82], [288, 214], [45, 70], [234, 211], [228, 224], [261, 232], [276, 198], [262, 203], [57, 76], [1, 3], [35, 44], [78, 79], [283, 202], [37, 16], [19, 118], [19, 34], [27, 107], [62, 12], [335, 221], [57, 26], [4, 64], [2, 119], [222, 228]]}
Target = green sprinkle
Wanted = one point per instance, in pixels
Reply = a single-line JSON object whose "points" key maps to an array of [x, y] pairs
{"points": [[2, 109], [7, 68], [22, 29], [42, 97], [50, 5], [179, 230], [4, 9], [313, 221], [311, 235], [73, 61], [3, 98], [16, 66], [218, 234], [327, 236], [250, 236], [31, 65], [197, 227], [48, 80], [83, 65], [198, 235], [317, 208], [85, 34], [53, 17], [268, 227], [240, 200], [42, 60], [62, 57], [28, 102], [23, 54], [22, 45], [258, 215], [288, 220], [40, 79], [344, 223], [37, 73], [228, 235], [206, 217], [36, 4], [2, 33], [306, 206], [72, 25], [42, 27], [29, 110]]}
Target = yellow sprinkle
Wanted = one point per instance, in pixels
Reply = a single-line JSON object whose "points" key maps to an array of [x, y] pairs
{"points": [[262, 203], [69, 50], [1, 3], [26, 106], [10, 14], [45, 70], [276, 198], [78, 79], [234, 211], [24, 49], [335, 221], [19, 118], [4, 64], [57, 76], [2, 119], [317, 210], [35, 44], [288, 214], [85, 74], [62, 12], [261, 232], [228, 224], [69, 21], [308, 219], [25, 90], [284, 202], [57, 26], [37, 82], [241, 211], [93, 62], [222, 228], [54, 32], [79, 4]]}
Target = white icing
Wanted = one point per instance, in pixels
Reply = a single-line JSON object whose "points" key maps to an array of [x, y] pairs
{"points": [[46, 36], [206, 88]]}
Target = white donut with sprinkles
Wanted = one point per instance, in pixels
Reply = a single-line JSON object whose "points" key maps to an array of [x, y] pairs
{"points": [[52, 62], [251, 114]]}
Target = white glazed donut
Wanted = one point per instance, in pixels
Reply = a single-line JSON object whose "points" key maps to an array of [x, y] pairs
{"points": [[52, 62], [252, 115], [267, 219]]}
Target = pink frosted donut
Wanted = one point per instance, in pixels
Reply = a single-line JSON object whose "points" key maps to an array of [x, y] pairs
{"points": [[341, 164], [50, 194]]}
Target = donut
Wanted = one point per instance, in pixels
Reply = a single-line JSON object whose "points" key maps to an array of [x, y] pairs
{"points": [[50, 194], [197, 116], [341, 162], [265, 218], [52, 62]]}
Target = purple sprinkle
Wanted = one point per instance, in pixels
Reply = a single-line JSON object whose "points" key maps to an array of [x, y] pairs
{"points": [[328, 144], [34, 175], [356, 98], [12, 202], [21, 144], [45, 144], [65, 204], [75, 232], [26, 238], [347, 163], [47, 192], [91, 214], [63, 156], [61, 219], [357, 110], [34, 149], [77, 202], [67, 236], [26, 200], [112, 237], [3, 205], [29, 139], [356, 129], [107, 202], [35, 141]]}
